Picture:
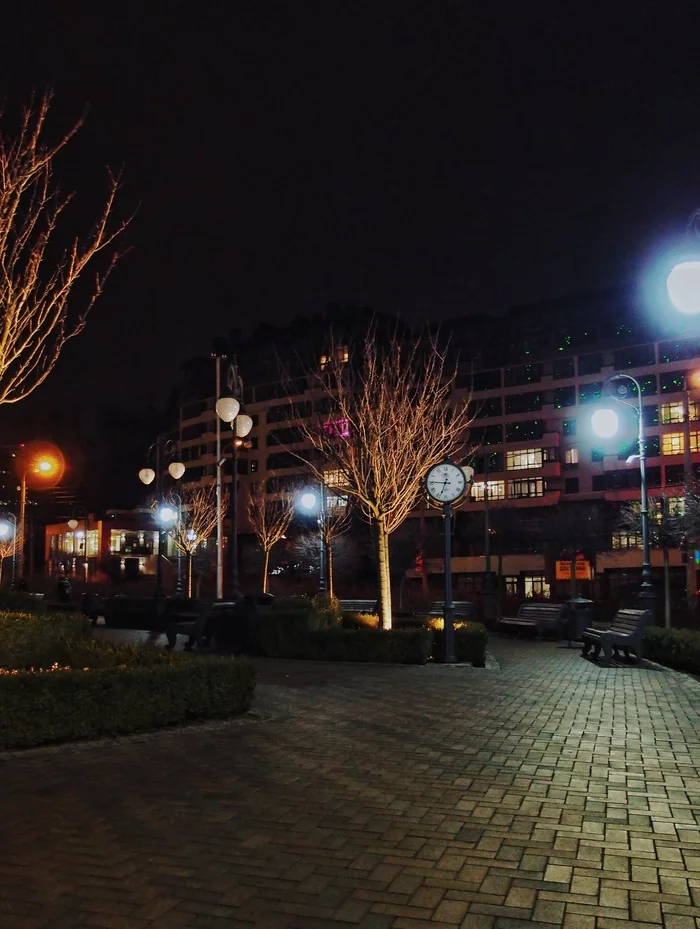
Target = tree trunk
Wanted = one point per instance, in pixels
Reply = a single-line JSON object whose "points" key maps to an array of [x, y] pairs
{"points": [[329, 567], [384, 576], [189, 575], [425, 590], [266, 565], [667, 591]]}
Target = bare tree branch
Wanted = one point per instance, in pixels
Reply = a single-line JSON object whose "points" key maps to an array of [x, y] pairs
{"points": [[34, 287], [270, 518]]}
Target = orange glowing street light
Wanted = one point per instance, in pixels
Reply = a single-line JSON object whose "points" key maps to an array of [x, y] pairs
{"points": [[41, 465]]}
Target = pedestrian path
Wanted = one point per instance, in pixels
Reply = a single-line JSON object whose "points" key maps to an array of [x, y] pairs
{"points": [[550, 792]]}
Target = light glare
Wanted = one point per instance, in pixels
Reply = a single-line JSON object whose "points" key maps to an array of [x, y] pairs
{"points": [[308, 500], [605, 423], [683, 286]]}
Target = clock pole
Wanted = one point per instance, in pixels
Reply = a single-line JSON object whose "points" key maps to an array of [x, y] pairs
{"points": [[449, 608]]}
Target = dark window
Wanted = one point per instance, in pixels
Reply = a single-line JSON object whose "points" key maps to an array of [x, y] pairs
{"points": [[524, 403], [242, 466], [285, 411], [590, 393], [493, 406], [569, 427], [274, 391], [590, 364], [528, 429], [571, 485], [650, 414], [284, 436], [597, 454], [495, 462], [288, 482], [523, 374], [635, 356], [631, 448], [282, 460], [648, 385], [563, 367], [654, 476], [194, 410], [598, 482], [678, 350], [675, 474], [193, 431], [487, 380], [672, 382], [652, 446], [487, 435], [564, 396]]}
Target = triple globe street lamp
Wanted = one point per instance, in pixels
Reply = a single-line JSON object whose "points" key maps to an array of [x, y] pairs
{"points": [[228, 409], [165, 515]]}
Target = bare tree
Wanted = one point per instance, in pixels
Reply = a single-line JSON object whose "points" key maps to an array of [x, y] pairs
{"points": [[7, 550], [197, 523], [270, 518], [36, 280], [331, 529], [392, 419]]}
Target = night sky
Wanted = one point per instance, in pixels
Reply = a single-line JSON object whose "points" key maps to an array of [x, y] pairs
{"points": [[431, 159]]}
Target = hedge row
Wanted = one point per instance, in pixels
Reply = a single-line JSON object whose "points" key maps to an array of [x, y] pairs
{"points": [[63, 705], [287, 634], [675, 648]]}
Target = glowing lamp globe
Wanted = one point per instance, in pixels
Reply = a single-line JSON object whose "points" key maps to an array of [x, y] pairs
{"points": [[167, 515], [72, 523], [244, 424], [683, 286], [44, 466], [191, 535], [5, 530], [227, 409], [147, 475], [605, 423], [308, 500], [176, 469]]}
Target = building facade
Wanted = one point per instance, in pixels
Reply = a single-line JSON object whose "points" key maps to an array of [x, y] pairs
{"points": [[533, 378]]}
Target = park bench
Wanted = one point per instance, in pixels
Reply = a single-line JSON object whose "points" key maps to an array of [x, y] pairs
{"points": [[461, 609], [202, 621], [359, 606], [122, 612], [538, 616], [626, 632]]}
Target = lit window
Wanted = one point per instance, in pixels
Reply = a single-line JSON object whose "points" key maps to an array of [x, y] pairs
{"points": [[672, 443], [340, 355], [571, 456], [510, 583], [115, 540], [497, 490], [533, 487], [695, 441], [673, 412], [623, 540], [336, 502], [333, 478], [524, 458], [337, 427], [536, 585]]}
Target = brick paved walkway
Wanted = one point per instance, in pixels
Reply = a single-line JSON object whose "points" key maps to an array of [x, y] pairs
{"points": [[548, 793]]}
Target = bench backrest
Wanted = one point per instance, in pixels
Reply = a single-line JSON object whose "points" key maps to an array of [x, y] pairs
{"points": [[629, 622], [548, 610], [464, 608], [358, 606]]}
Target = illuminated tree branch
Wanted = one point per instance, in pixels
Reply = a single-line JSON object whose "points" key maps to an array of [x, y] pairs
{"points": [[197, 523], [35, 286], [270, 518]]}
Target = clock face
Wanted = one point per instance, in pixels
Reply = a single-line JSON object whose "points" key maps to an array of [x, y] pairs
{"points": [[446, 482]]}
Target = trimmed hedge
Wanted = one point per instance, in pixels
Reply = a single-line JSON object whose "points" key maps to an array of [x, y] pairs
{"points": [[675, 648], [396, 646], [57, 706], [470, 643]]}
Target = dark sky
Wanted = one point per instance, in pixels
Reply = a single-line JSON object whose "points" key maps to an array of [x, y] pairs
{"points": [[432, 159]]}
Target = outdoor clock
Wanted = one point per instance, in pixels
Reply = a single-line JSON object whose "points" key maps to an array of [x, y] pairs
{"points": [[446, 482]]}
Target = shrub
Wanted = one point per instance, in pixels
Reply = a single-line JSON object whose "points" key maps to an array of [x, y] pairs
{"points": [[38, 640], [360, 621], [328, 610], [470, 643], [62, 705], [409, 646], [676, 648]]}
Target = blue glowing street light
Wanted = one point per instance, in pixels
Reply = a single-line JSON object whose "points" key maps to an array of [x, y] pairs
{"points": [[605, 423], [312, 501], [8, 528], [683, 287]]}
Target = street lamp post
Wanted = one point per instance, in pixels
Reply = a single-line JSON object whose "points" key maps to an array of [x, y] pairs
{"points": [[228, 410], [606, 423], [44, 466], [82, 513], [311, 500], [162, 447]]}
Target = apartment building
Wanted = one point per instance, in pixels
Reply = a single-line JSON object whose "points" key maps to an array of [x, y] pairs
{"points": [[534, 378]]}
